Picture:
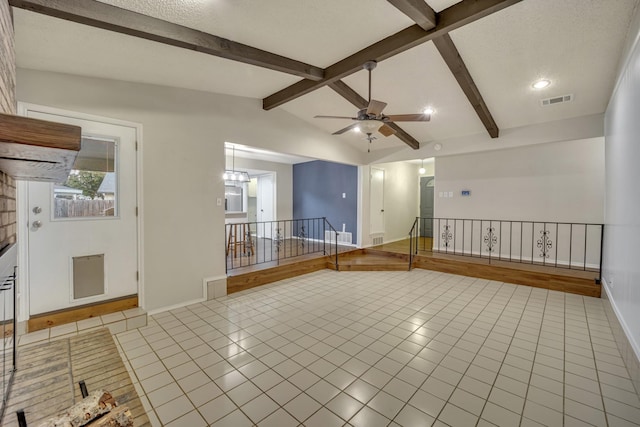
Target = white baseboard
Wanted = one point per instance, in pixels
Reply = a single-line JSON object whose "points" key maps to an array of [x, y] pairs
{"points": [[625, 328], [628, 347], [174, 306]]}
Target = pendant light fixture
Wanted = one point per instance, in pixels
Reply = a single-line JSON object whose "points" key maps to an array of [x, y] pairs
{"points": [[232, 176], [422, 170]]}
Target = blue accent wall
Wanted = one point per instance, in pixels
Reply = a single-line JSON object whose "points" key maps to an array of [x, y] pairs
{"points": [[317, 192]]}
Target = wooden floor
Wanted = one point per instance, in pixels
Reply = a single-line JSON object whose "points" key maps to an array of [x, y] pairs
{"points": [[46, 382], [395, 256], [562, 279]]}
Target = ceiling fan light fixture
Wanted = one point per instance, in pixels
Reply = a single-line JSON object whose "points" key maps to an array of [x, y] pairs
{"points": [[541, 84], [428, 111], [369, 126]]}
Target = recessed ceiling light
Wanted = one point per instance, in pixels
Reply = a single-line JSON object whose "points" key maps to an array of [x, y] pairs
{"points": [[541, 84], [428, 111], [437, 146]]}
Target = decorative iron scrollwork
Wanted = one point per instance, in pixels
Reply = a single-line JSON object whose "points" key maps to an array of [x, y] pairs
{"points": [[545, 244], [447, 236], [302, 236], [279, 239], [490, 239]]}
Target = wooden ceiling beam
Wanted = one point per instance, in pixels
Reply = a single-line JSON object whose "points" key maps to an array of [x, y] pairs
{"points": [[342, 89], [449, 19], [424, 16], [454, 61], [418, 11], [112, 18]]}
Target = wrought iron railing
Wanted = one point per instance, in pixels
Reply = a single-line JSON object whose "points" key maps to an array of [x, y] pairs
{"points": [[250, 243], [556, 244], [413, 241]]}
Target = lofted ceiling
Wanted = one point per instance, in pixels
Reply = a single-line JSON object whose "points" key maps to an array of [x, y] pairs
{"points": [[576, 44]]}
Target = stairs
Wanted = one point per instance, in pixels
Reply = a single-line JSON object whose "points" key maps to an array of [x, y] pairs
{"points": [[373, 260]]}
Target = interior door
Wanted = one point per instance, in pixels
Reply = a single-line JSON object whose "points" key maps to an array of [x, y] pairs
{"points": [[377, 201], [82, 238], [426, 206], [265, 202]]}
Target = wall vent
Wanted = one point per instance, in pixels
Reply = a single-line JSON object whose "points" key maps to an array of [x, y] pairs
{"points": [[556, 100], [378, 240], [344, 237]]}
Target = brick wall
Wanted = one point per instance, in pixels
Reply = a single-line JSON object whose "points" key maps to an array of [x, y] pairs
{"points": [[7, 105], [7, 210], [7, 61]]}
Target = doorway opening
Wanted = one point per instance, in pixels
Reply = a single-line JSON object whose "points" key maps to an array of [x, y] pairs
{"points": [[427, 185]]}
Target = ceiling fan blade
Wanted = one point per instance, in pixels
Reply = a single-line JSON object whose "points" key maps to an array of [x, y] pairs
{"points": [[335, 117], [376, 107], [347, 129], [386, 130], [409, 117]]}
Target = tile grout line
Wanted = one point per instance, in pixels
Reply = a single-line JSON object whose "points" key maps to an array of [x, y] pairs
{"points": [[506, 352], [535, 353], [595, 362], [428, 376], [243, 309]]}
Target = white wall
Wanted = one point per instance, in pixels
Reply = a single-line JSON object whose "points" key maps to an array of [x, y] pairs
{"points": [[284, 182], [561, 181], [183, 160], [621, 271]]}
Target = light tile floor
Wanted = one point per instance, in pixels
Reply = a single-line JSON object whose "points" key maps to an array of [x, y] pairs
{"points": [[383, 348]]}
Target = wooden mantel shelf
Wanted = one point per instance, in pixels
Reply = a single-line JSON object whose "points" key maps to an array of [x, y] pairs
{"points": [[39, 150]]}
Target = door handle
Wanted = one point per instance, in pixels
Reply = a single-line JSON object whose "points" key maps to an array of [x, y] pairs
{"points": [[36, 210], [36, 224]]}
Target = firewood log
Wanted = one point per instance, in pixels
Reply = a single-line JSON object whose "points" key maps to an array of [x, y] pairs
{"points": [[120, 417], [97, 403]]}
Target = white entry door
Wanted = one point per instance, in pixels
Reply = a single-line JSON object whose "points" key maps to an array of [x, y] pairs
{"points": [[82, 237], [377, 201]]}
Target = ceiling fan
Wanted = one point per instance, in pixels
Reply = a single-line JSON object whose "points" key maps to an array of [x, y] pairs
{"points": [[371, 119]]}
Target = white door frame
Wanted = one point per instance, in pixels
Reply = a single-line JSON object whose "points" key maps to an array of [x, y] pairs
{"points": [[371, 196], [22, 206]]}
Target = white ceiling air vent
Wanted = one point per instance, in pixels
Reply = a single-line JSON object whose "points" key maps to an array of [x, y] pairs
{"points": [[556, 100]]}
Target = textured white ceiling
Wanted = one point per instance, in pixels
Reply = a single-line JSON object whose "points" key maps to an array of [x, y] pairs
{"points": [[317, 32], [45, 43], [575, 43]]}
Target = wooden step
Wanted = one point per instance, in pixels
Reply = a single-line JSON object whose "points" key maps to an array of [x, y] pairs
{"points": [[371, 260], [373, 267], [571, 281], [377, 259], [241, 281]]}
